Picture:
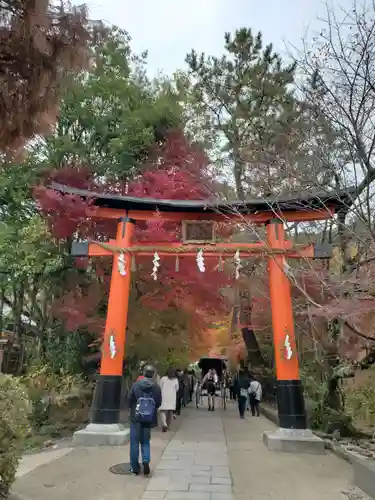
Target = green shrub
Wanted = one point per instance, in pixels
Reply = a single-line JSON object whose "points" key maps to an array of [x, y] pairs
{"points": [[320, 414], [41, 378], [335, 420], [13, 428], [39, 410], [360, 403], [42, 385]]}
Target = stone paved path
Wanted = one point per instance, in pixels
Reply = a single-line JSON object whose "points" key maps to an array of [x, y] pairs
{"points": [[195, 464], [212, 456], [259, 474], [220, 457]]}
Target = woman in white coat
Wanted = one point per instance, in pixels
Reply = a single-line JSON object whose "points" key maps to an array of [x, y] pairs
{"points": [[169, 388]]}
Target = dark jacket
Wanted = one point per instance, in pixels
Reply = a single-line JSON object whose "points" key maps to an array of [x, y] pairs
{"points": [[147, 386], [181, 384], [242, 381]]}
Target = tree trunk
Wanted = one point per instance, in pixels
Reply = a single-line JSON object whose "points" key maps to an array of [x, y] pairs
{"points": [[242, 293], [2, 303], [333, 397], [254, 355], [238, 172], [342, 234]]}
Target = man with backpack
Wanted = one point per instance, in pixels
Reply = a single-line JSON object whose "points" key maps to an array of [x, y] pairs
{"points": [[144, 400]]}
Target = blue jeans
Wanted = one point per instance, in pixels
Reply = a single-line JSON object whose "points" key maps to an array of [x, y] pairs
{"points": [[242, 402], [139, 436]]}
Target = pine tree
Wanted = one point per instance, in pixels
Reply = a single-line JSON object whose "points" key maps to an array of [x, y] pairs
{"points": [[245, 100]]}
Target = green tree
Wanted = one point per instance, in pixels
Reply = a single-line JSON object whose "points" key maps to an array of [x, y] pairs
{"points": [[35, 270], [31, 265], [111, 115], [240, 106], [243, 100]]}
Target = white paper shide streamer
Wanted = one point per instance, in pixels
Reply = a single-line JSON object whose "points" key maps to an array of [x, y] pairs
{"points": [[112, 346], [288, 348], [238, 265], [200, 261], [121, 264], [156, 263]]}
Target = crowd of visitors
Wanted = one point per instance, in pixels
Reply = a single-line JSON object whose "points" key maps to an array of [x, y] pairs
{"points": [[151, 396]]}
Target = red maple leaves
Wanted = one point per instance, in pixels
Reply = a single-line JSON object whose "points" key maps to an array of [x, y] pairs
{"points": [[179, 170], [176, 170]]}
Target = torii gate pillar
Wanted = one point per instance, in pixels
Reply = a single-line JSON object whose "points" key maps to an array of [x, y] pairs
{"points": [[292, 435], [105, 427]]}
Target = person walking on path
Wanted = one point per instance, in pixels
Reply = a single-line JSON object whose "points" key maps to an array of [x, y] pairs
{"points": [[232, 387], [142, 365], [180, 392], [169, 388], [210, 380], [242, 388], [186, 394], [255, 393], [191, 385], [144, 400]]}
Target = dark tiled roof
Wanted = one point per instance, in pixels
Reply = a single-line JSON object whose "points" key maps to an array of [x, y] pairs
{"points": [[307, 201]]}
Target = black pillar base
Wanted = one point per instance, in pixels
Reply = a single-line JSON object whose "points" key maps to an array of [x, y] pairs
{"points": [[106, 401], [291, 404]]}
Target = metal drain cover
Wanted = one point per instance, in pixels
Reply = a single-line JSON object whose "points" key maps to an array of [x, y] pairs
{"points": [[123, 469]]}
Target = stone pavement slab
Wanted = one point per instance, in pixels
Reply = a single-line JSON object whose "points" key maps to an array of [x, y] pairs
{"points": [[195, 464], [78, 473], [32, 461], [211, 456], [220, 457], [259, 474]]}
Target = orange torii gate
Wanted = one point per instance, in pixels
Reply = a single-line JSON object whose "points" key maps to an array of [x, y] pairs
{"points": [[105, 427]]}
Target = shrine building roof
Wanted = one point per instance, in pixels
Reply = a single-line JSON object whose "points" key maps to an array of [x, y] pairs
{"points": [[337, 201]]}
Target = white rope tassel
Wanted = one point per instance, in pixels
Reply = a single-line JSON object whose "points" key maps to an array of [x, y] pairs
{"points": [[121, 264], [156, 263], [200, 261], [237, 262]]}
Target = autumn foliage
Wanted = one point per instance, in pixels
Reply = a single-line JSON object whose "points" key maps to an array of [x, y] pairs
{"points": [[41, 44], [176, 170], [319, 298]]}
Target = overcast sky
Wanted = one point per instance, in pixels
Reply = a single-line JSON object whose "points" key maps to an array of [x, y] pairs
{"points": [[169, 29]]}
